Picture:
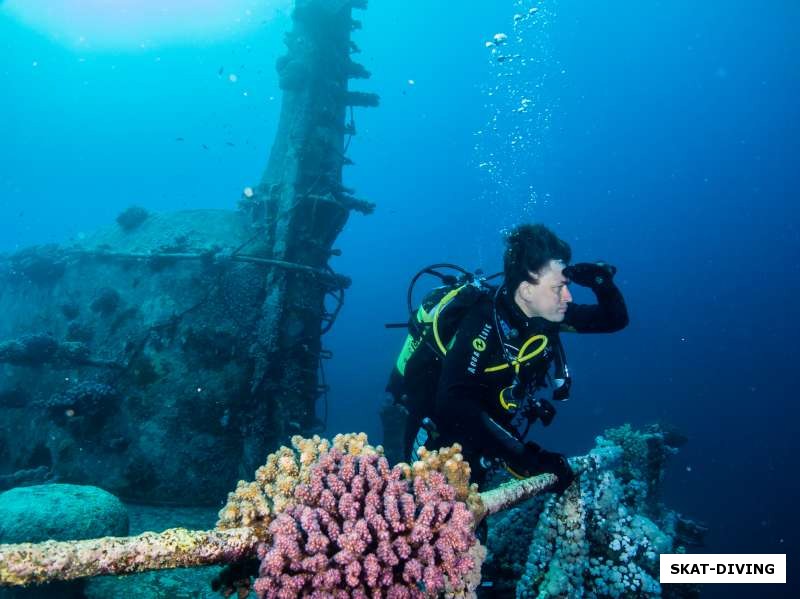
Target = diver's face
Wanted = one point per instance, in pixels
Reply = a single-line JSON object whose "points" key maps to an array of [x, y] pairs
{"points": [[549, 296]]}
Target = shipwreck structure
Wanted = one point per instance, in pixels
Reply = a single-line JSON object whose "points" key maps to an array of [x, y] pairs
{"points": [[163, 358]]}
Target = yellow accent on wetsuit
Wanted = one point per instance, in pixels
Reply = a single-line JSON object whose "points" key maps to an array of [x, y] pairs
{"points": [[521, 355], [439, 307], [516, 475], [507, 405]]}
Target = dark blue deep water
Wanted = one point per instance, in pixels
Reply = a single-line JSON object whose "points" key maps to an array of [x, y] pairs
{"points": [[659, 136]]}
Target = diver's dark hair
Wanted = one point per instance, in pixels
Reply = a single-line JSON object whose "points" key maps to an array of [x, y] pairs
{"points": [[528, 249]]}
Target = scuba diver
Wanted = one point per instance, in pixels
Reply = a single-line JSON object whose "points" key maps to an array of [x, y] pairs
{"points": [[482, 364]]}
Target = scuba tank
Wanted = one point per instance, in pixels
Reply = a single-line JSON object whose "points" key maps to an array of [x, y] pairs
{"points": [[431, 327], [434, 321]]}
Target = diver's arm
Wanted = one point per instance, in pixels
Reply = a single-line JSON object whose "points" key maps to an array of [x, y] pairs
{"points": [[469, 423], [465, 420], [609, 315]]}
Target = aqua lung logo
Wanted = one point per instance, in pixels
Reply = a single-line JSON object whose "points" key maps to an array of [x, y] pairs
{"points": [[478, 346]]}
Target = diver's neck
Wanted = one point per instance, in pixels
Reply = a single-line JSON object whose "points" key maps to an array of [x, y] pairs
{"points": [[523, 307], [513, 307], [523, 316]]}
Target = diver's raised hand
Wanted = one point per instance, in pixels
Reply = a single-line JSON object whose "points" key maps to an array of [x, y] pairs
{"points": [[591, 274]]}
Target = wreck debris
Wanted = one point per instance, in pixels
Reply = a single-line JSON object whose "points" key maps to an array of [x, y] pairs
{"points": [[132, 217], [41, 348]]}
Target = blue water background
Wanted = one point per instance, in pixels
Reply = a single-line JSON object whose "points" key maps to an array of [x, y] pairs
{"points": [[670, 149]]}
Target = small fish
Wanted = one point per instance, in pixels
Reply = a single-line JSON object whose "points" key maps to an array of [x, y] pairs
{"points": [[178, 139], [205, 147], [220, 71], [230, 143]]}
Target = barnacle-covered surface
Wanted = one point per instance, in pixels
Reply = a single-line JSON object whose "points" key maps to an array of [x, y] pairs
{"points": [[602, 537]]}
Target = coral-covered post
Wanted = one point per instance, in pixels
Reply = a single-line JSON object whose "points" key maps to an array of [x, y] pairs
{"points": [[30, 563], [510, 494]]}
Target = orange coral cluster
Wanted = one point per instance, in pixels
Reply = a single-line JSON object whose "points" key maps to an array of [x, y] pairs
{"points": [[450, 462], [255, 504]]}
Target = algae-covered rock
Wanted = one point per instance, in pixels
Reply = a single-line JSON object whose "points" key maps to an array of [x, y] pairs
{"points": [[60, 512]]}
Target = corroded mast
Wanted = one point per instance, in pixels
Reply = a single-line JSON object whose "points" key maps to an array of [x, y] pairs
{"points": [[302, 206]]}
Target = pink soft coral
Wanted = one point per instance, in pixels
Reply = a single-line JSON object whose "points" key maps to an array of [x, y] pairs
{"points": [[360, 529]]}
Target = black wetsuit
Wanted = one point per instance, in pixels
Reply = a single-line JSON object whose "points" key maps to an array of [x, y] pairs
{"points": [[468, 408]]}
